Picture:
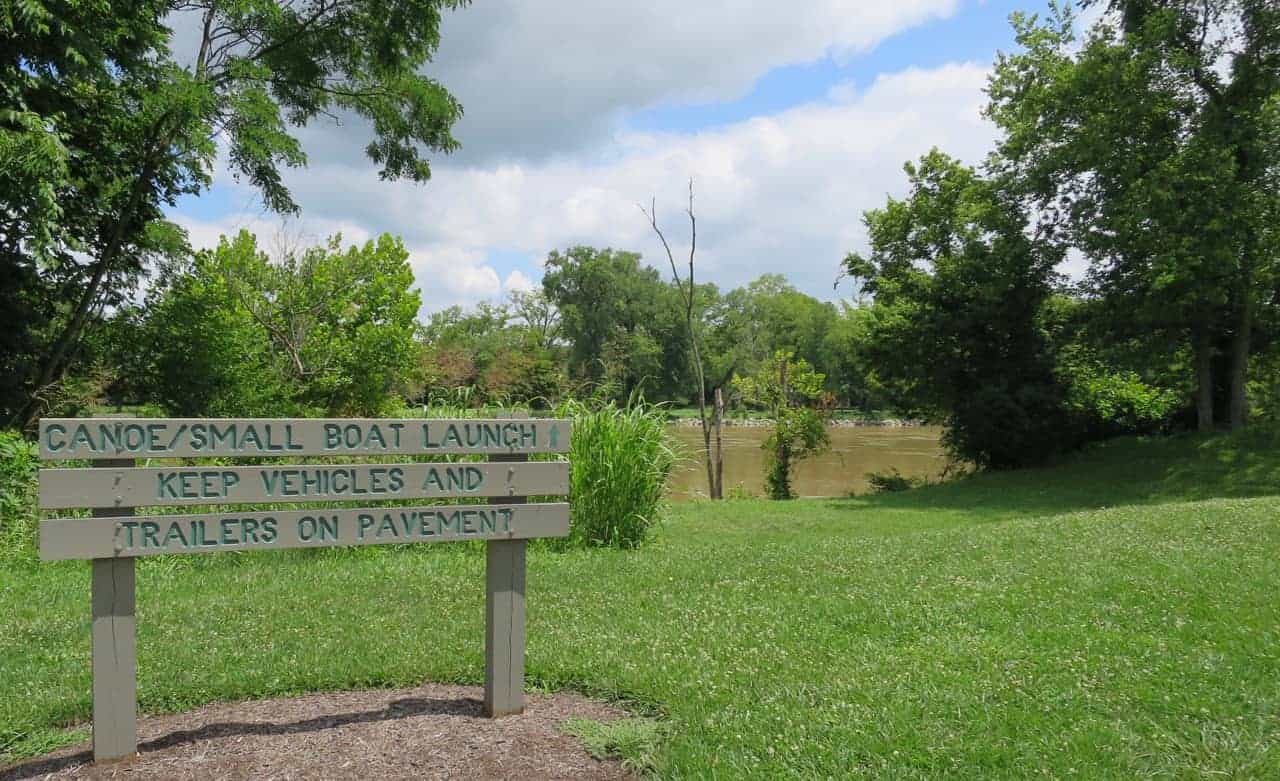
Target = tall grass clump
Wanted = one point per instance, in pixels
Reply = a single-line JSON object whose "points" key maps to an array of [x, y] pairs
{"points": [[620, 460], [19, 467]]}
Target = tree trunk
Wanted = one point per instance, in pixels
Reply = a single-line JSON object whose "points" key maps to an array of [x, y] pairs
{"points": [[1202, 346], [718, 484], [784, 447], [706, 445], [713, 482], [54, 364], [69, 339], [1240, 341]]}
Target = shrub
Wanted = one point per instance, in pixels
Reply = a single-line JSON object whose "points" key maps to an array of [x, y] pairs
{"points": [[621, 461], [1115, 403], [797, 433], [892, 481], [19, 467], [322, 330], [786, 386]]}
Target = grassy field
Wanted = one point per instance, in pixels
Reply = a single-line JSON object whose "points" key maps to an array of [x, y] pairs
{"points": [[1115, 616]]}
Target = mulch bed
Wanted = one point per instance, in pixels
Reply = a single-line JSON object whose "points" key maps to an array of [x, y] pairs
{"points": [[433, 731]]}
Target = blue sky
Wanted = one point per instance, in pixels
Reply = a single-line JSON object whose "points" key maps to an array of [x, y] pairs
{"points": [[974, 34], [791, 121]]}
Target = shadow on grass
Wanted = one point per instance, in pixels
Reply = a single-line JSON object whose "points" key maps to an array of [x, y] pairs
{"points": [[400, 709], [1148, 470]]}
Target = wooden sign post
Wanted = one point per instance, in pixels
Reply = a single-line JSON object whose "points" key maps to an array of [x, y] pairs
{"points": [[115, 534], [113, 656], [504, 620]]}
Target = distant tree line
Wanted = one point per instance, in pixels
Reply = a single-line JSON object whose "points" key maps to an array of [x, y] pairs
{"points": [[238, 330]]}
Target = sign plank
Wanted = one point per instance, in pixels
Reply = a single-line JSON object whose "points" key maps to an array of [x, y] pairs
{"points": [[291, 483], [97, 438], [100, 538]]}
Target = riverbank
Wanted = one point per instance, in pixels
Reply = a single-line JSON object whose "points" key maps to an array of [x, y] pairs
{"points": [[694, 422], [766, 423], [1111, 617]]}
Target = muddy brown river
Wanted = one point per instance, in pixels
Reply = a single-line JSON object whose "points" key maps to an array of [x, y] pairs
{"points": [[855, 451]]}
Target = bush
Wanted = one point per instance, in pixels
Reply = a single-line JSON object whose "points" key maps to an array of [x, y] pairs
{"points": [[620, 461], [787, 387], [1111, 403], [797, 433], [19, 468], [325, 330], [892, 481]]}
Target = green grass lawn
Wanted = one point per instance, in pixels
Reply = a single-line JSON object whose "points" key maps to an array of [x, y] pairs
{"points": [[1114, 616]]}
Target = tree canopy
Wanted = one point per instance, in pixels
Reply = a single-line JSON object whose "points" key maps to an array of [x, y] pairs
{"points": [[103, 125], [1150, 147], [326, 329], [959, 285]]}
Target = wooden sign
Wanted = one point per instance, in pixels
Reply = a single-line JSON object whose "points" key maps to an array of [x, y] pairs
{"points": [[100, 538], [186, 485], [115, 535], [96, 438]]}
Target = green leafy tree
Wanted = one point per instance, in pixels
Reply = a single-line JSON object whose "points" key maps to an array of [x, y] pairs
{"points": [[748, 325], [443, 371], [1114, 385], [457, 347], [103, 125], [789, 389], [524, 375], [323, 330], [850, 373], [630, 360], [959, 284], [537, 314], [1151, 146], [786, 319], [599, 293], [503, 353]]}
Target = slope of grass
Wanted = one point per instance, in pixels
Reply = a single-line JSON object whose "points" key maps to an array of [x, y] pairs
{"points": [[1113, 616]]}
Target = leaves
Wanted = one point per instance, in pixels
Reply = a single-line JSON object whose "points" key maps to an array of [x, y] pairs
{"points": [[959, 285], [103, 125], [322, 329], [1145, 146], [785, 385]]}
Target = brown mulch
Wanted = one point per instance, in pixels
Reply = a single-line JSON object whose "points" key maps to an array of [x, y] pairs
{"points": [[433, 731]]}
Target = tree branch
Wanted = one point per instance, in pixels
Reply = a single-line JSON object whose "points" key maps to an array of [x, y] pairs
{"points": [[322, 9], [688, 295], [205, 41]]}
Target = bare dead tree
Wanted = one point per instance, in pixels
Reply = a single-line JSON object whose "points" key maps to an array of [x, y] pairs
{"points": [[715, 459]]}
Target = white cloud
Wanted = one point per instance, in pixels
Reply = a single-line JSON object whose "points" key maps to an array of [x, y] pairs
{"points": [[777, 193], [548, 165], [449, 275], [544, 79], [517, 280]]}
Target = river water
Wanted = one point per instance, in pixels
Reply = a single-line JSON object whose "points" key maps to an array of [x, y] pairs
{"points": [[855, 450]]}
